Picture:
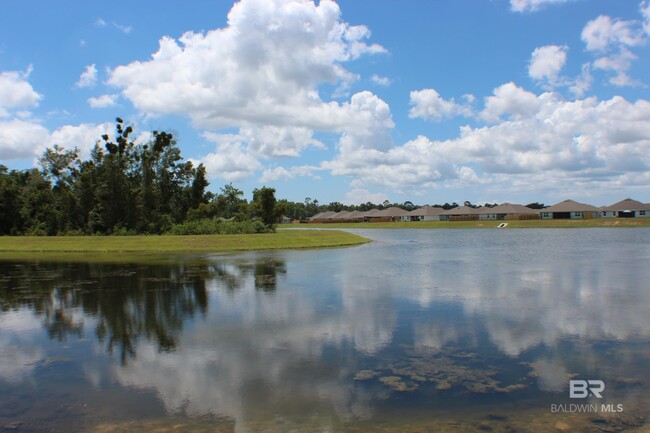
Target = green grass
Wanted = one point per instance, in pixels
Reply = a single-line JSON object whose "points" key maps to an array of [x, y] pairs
{"points": [[598, 222], [283, 239]]}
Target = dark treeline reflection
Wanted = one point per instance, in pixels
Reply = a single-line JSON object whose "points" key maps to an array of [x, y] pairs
{"points": [[125, 301]]}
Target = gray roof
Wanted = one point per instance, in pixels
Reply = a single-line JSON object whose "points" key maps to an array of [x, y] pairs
{"points": [[323, 215], [372, 213], [570, 206], [343, 215], [391, 212], [628, 204], [427, 211], [462, 210], [507, 208]]}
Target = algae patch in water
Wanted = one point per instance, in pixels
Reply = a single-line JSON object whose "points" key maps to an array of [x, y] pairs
{"points": [[444, 370]]}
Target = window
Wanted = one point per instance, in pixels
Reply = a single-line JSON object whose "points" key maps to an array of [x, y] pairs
{"points": [[642, 212]]}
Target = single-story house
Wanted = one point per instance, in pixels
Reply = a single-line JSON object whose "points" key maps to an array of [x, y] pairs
{"points": [[461, 213], [322, 216], [569, 209], [626, 208], [285, 220], [394, 213], [343, 215], [425, 213], [507, 211]]}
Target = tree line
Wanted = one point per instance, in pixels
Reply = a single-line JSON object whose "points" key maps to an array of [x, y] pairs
{"points": [[123, 188]]}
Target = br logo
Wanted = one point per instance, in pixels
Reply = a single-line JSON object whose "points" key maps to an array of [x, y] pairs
{"points": [[582, 388]]}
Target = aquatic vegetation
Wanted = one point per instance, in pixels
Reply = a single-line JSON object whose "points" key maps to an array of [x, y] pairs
{"points": [[443, 369]]}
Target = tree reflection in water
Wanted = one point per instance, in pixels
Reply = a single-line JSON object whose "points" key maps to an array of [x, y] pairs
{"points": [[124, 301]]}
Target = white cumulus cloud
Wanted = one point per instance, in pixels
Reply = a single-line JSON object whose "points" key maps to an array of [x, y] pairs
{"points": [[604, 32], [16, 91], [546, 142], [380, 81], [20, 139], [509, 99], [547, 62], [27, 139], [88, 77], [282, 173], [263, 68], [532, 5], [360, 195], [429, 105], [611, 41], [103, 101]]}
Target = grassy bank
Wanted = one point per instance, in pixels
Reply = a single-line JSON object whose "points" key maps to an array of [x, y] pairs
{"points": [[599, 222], [283, 239]]}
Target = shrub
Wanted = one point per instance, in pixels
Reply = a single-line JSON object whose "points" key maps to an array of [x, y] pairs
{"points": [[218, 227]]}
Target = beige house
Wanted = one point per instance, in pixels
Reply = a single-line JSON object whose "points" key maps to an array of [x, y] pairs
{"points": [[425, 213], [569, 209], [507, 211], [462, 213], [323, 216], [394, 213], [626, 208]]}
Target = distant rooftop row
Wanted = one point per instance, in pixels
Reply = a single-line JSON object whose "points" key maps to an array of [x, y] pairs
{"points": [[567, 209]]}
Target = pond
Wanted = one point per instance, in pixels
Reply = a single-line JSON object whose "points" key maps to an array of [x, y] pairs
{"points": [[420, 330]]}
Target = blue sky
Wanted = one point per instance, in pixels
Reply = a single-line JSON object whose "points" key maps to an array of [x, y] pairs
{"points": [[520, 100]]}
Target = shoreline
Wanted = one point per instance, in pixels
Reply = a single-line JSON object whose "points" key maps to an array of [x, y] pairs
{"points": [[283, 239], [487, 224]]}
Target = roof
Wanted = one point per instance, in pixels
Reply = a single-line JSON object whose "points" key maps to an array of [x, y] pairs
{"points": [[372, 213], [427, 211], [462, 210], [391, 212], [323, 215], [357, 214], [570, 206], [343, 215], [628, 204], [507, 208]]}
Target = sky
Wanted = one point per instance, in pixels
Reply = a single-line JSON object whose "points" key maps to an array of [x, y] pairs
{"points": [[351, 101]]}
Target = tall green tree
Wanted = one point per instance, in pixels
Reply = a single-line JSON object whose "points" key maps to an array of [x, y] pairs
{"points": [[264, 206]]}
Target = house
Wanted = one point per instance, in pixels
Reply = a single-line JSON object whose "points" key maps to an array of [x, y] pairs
{"points": [[569, 209], [357, 215], [343, 215], [462, 213], [371, 215], [392, 213], [425, 213], [285, 220], [322, 217], [626, 208], [507, 211]]}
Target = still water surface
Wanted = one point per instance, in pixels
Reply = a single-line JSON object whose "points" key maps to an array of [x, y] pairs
{"points": [[420, 330]]}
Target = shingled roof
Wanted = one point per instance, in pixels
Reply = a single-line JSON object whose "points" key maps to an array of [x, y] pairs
{"points": [[391, 212], [507, 208], [570, 206], [462, 210], [426, 211], [628, 204]]}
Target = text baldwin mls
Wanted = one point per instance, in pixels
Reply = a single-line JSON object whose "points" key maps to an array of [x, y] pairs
{"points": [[582, 389]]}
